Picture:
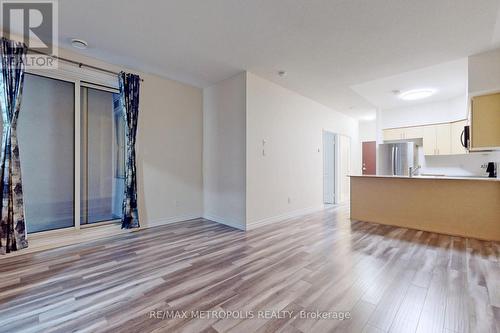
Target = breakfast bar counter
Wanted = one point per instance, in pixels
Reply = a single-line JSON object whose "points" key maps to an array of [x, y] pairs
{"points": [[460, 206]]}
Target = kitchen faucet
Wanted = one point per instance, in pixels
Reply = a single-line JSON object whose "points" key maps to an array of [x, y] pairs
{"points": [[412, 171]]}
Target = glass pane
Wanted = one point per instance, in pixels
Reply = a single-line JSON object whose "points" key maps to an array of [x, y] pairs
{"points": [[102, 159], [46, 148]]}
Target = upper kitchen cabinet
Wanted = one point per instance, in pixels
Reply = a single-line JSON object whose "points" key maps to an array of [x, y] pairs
{"points": [[403, 133], [415, 132], [430, 140], [485, 122], [484, 89], [437, 139], [393, 134], [443, 139]]}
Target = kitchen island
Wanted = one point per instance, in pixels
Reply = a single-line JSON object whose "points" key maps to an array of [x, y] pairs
{"points": [[459, 206]]}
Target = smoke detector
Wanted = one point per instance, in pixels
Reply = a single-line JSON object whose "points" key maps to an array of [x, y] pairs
{"points": [[282, 73], [79, 43]]}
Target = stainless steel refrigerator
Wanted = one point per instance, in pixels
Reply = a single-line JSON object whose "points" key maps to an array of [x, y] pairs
{"points": [[396, 158]]}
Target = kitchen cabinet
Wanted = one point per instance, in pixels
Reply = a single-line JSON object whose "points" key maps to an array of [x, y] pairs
{"points": [[416, 132], [443, 139], [457, 128], [429, 142], [393, 134], [485, 122], [462, 207], [437, 139], [403, 133]]}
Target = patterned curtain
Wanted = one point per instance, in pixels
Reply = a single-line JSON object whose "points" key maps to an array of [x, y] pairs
{"points": [[13, 228], [129, 93]]}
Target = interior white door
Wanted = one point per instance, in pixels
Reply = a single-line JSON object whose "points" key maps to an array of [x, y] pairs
{"points": [[328, 167]]}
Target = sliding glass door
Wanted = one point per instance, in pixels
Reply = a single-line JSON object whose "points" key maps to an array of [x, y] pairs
{"points": [[46, 149], [102, 155], [49, 146]]}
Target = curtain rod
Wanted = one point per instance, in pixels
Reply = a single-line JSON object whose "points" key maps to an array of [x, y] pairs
{"points": [[79, 64]]}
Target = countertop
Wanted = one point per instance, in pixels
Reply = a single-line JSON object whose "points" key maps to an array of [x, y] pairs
{"points": [[479, 178]]}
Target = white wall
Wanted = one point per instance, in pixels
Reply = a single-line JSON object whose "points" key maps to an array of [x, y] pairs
{"points": [[224, 146], [425, 114], [367, 131], [288, 180], [484, 72], [169, 148]]}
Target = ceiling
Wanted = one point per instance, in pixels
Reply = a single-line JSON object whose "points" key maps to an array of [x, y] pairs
{"points": [[326, 46], [448, 80]]}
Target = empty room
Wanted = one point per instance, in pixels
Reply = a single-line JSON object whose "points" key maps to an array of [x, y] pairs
{"points": [[250, 166]]}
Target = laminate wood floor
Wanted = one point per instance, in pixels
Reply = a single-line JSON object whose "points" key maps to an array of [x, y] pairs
{"points": [[388, 279]]}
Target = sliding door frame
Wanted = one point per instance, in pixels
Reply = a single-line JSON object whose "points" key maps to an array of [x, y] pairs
{"points": [[88, 85], [90, 80]]}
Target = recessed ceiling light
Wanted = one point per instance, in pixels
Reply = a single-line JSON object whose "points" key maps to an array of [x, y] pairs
{"points": [[79, 43], [412, 95]]}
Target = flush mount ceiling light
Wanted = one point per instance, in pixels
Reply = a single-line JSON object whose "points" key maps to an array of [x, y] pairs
{"points": [[79, 43], [415, 94], [369, 117]]}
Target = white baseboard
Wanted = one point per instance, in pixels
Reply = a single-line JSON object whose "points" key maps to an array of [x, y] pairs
{"points": [[282, 217], [169, 220], [232, 223], [224, 221]]}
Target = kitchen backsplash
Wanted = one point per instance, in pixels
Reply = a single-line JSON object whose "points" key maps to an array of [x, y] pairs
{"points": [[457, 165]]}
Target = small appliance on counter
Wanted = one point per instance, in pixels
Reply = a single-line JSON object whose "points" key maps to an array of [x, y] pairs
{"points": [[491, 169]]}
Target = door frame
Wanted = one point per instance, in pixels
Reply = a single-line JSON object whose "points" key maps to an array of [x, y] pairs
{"points": [[335, 165], [79, 77], [84, 86]]}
